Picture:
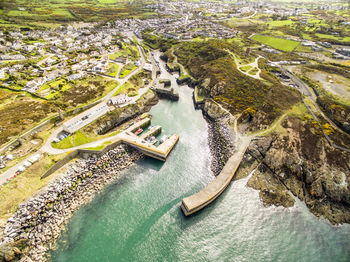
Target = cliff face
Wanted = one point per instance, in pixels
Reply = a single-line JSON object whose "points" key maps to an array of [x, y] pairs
{"points": [[302, 163]]}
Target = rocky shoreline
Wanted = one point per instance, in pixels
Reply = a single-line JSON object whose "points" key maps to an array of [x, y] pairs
{"points": [[220, 145], [297, 163], [31, 232], [220, 135]]}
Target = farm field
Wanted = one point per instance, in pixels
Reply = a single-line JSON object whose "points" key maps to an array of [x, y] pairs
{"points": [[341, 39], [277, 43]]}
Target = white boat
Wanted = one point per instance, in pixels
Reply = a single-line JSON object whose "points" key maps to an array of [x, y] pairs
{"points": [[162, 140]]}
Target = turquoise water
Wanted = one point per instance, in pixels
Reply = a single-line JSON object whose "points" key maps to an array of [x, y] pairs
{"points": [[138, 218]]}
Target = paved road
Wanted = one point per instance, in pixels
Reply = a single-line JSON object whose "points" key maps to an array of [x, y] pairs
{"points": [[308, 92], [47, 148], [305, 90]]}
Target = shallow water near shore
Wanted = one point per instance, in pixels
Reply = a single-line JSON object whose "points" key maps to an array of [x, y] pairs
{"points": [[138, 218]]}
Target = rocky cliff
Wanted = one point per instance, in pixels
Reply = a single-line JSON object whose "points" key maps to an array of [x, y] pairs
{"points": [[301, 163]]}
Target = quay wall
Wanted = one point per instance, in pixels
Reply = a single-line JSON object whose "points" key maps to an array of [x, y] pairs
{"points": [[198, 201]]}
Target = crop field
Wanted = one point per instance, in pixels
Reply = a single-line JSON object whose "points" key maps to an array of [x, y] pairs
{"points": [[341, 39], [277, 43]]}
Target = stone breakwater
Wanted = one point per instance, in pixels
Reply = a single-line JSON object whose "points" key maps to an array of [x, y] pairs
{"points": [[220, 144], [40, 221], [220, 134]]}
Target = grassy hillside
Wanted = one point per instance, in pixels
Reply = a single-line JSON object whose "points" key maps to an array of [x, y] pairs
{"points": [[260, 101]]}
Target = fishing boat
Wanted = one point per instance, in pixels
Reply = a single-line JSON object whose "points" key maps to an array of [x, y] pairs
{"points": [[163, 139], [139, 131]]}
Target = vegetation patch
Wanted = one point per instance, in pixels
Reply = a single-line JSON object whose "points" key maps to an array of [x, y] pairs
{"points": [[211, 65], [25, 185], [22, 114], [127, 69], [82, 91], [113, 70], [338, 38], [77, 139], [245, 68], [277, 43], [128, 89]]}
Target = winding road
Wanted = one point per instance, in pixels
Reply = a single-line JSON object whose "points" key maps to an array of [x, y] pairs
{"points": [[47, 147]]}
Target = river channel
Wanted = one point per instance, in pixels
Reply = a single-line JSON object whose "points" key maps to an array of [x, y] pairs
{"points": [[138, 218]]}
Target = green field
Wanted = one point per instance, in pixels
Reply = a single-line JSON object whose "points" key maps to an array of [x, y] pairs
{"points": [[128, 89], [112, 70], [110, 1], [76, 139], [277, 43], [280, 23], [341, 39]]}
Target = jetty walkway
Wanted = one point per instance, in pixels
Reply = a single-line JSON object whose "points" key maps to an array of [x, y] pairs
{"points": [[208, 194], [129, 138], [160, 152]]}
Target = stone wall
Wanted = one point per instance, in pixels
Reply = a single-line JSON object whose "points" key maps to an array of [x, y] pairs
{"points": [[83, 153]]}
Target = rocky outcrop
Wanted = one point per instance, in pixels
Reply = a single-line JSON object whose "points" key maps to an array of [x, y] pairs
{"points": [[272, 192], [217, 89], [339, 114], [190, 81], [168, 93], [214, 111], [302, 163]]}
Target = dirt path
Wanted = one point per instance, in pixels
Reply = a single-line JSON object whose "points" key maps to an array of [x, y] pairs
{"points": [[253, 65]]}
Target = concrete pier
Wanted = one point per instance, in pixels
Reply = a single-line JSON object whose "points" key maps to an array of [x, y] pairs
{"points": [[129, 138], [163, 89], [160, 152], [153, 131], [207, 195]]}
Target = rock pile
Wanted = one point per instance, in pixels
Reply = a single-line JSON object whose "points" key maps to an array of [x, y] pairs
{"points": [[41, 219], [221, 134], [220, 144]]}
